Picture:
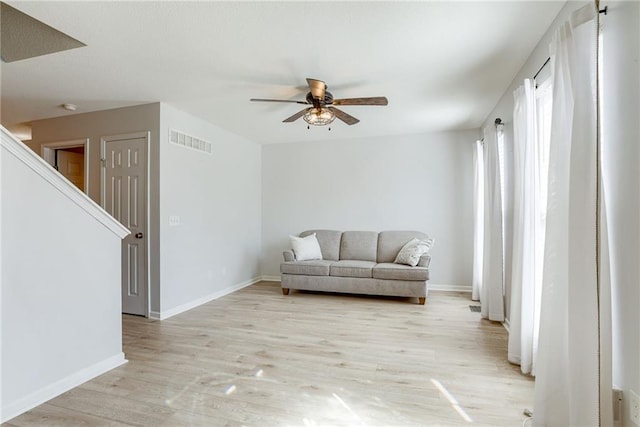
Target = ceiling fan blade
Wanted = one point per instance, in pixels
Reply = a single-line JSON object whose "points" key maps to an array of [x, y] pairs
{"points": [[317, 88], [295, 117], [375, 100], [279, 100], [348, 119]]}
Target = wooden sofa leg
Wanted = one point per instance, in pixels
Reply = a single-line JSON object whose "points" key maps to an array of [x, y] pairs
{"points": [[422, 300], [285, 291]]}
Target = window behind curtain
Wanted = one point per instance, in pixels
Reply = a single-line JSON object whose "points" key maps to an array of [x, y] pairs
{"points": [[544, 97]]}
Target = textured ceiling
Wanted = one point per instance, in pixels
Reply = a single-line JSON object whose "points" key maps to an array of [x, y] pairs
{"points": [[443, 65], [23, 37]]}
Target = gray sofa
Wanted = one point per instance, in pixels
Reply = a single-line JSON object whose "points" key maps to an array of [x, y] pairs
{"points": [[358, 262]]}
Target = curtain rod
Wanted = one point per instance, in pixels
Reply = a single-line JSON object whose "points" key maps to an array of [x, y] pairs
{"points": [[605, 10], [540, 69]]}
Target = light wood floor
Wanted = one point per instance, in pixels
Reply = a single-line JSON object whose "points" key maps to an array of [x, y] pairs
{"points": [[258, 358]]}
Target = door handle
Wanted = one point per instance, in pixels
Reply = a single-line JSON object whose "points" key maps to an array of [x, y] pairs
{"points": [[139, 235]]}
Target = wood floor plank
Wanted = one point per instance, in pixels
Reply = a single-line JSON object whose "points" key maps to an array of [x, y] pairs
{"points": [[53, 416], [258, 358]]}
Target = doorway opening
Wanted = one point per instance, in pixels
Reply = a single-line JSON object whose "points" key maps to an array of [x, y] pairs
{"points": [[70, 158]]}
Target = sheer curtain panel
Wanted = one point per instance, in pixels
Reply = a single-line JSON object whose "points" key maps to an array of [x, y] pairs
{"points": [[492, 295], [478, 219], [527, 234], [568, 388]]}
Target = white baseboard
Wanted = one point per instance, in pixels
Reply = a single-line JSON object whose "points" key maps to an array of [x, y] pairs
{"points": [[449, 288], [195, 303], [507, 325], [50, 391], [272, 278]]}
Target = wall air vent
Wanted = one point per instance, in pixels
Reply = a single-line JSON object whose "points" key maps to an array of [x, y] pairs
{"points": [[182, 139]]}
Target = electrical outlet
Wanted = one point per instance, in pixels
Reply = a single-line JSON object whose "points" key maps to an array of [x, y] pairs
{"points": [[634, 407], [174, 220]]}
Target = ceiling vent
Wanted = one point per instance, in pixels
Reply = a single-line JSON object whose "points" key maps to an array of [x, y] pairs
{"points": [[182, 139]]}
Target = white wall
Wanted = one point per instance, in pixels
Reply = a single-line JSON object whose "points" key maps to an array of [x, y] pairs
{"points": [[216, 249], [60, 291], [218, 197], [99, 124], [621, 151], [414, 182]]}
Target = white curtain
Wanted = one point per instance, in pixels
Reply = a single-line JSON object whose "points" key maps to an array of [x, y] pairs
{"points": [[568, 389], [478, 219], [528, 236], [492, 294]]}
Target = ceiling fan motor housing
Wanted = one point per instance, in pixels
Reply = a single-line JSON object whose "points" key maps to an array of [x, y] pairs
{"points": [[328, 99]]}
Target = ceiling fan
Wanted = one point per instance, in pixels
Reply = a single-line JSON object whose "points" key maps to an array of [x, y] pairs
{"points": [[322, 110]]}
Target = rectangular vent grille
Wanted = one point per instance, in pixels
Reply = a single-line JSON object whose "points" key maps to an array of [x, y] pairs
{"points": [[182, 139], [474, 308]]}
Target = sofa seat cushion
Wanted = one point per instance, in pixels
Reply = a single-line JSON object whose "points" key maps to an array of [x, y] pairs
{"points": [[391, 271], [316, 267], [352, 268]]}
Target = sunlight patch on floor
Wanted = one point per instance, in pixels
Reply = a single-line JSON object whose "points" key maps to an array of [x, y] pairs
{"points": [[344, 405], [452, 401]]}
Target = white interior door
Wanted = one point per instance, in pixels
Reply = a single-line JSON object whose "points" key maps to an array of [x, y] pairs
{"points": [[124, 196]]}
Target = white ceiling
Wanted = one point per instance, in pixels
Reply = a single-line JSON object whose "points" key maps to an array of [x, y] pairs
{"points": [[443, 65]]}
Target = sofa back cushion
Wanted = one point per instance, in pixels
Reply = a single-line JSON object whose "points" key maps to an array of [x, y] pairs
{"points": [[359, 245], [390, 243], [329, 241]]}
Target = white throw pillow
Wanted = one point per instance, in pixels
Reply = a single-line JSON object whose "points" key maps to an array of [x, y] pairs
{"points": [[306, 248], [411, 252]]}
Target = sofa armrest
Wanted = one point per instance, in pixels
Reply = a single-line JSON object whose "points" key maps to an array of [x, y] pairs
{"points": [[424, 261], [288, 256]]}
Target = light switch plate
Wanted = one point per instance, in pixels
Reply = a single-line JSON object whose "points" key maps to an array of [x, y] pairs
{"points": [[174, 220]]}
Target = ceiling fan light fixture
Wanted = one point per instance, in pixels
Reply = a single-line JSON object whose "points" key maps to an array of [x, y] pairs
{"points": [[319, 116]]}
